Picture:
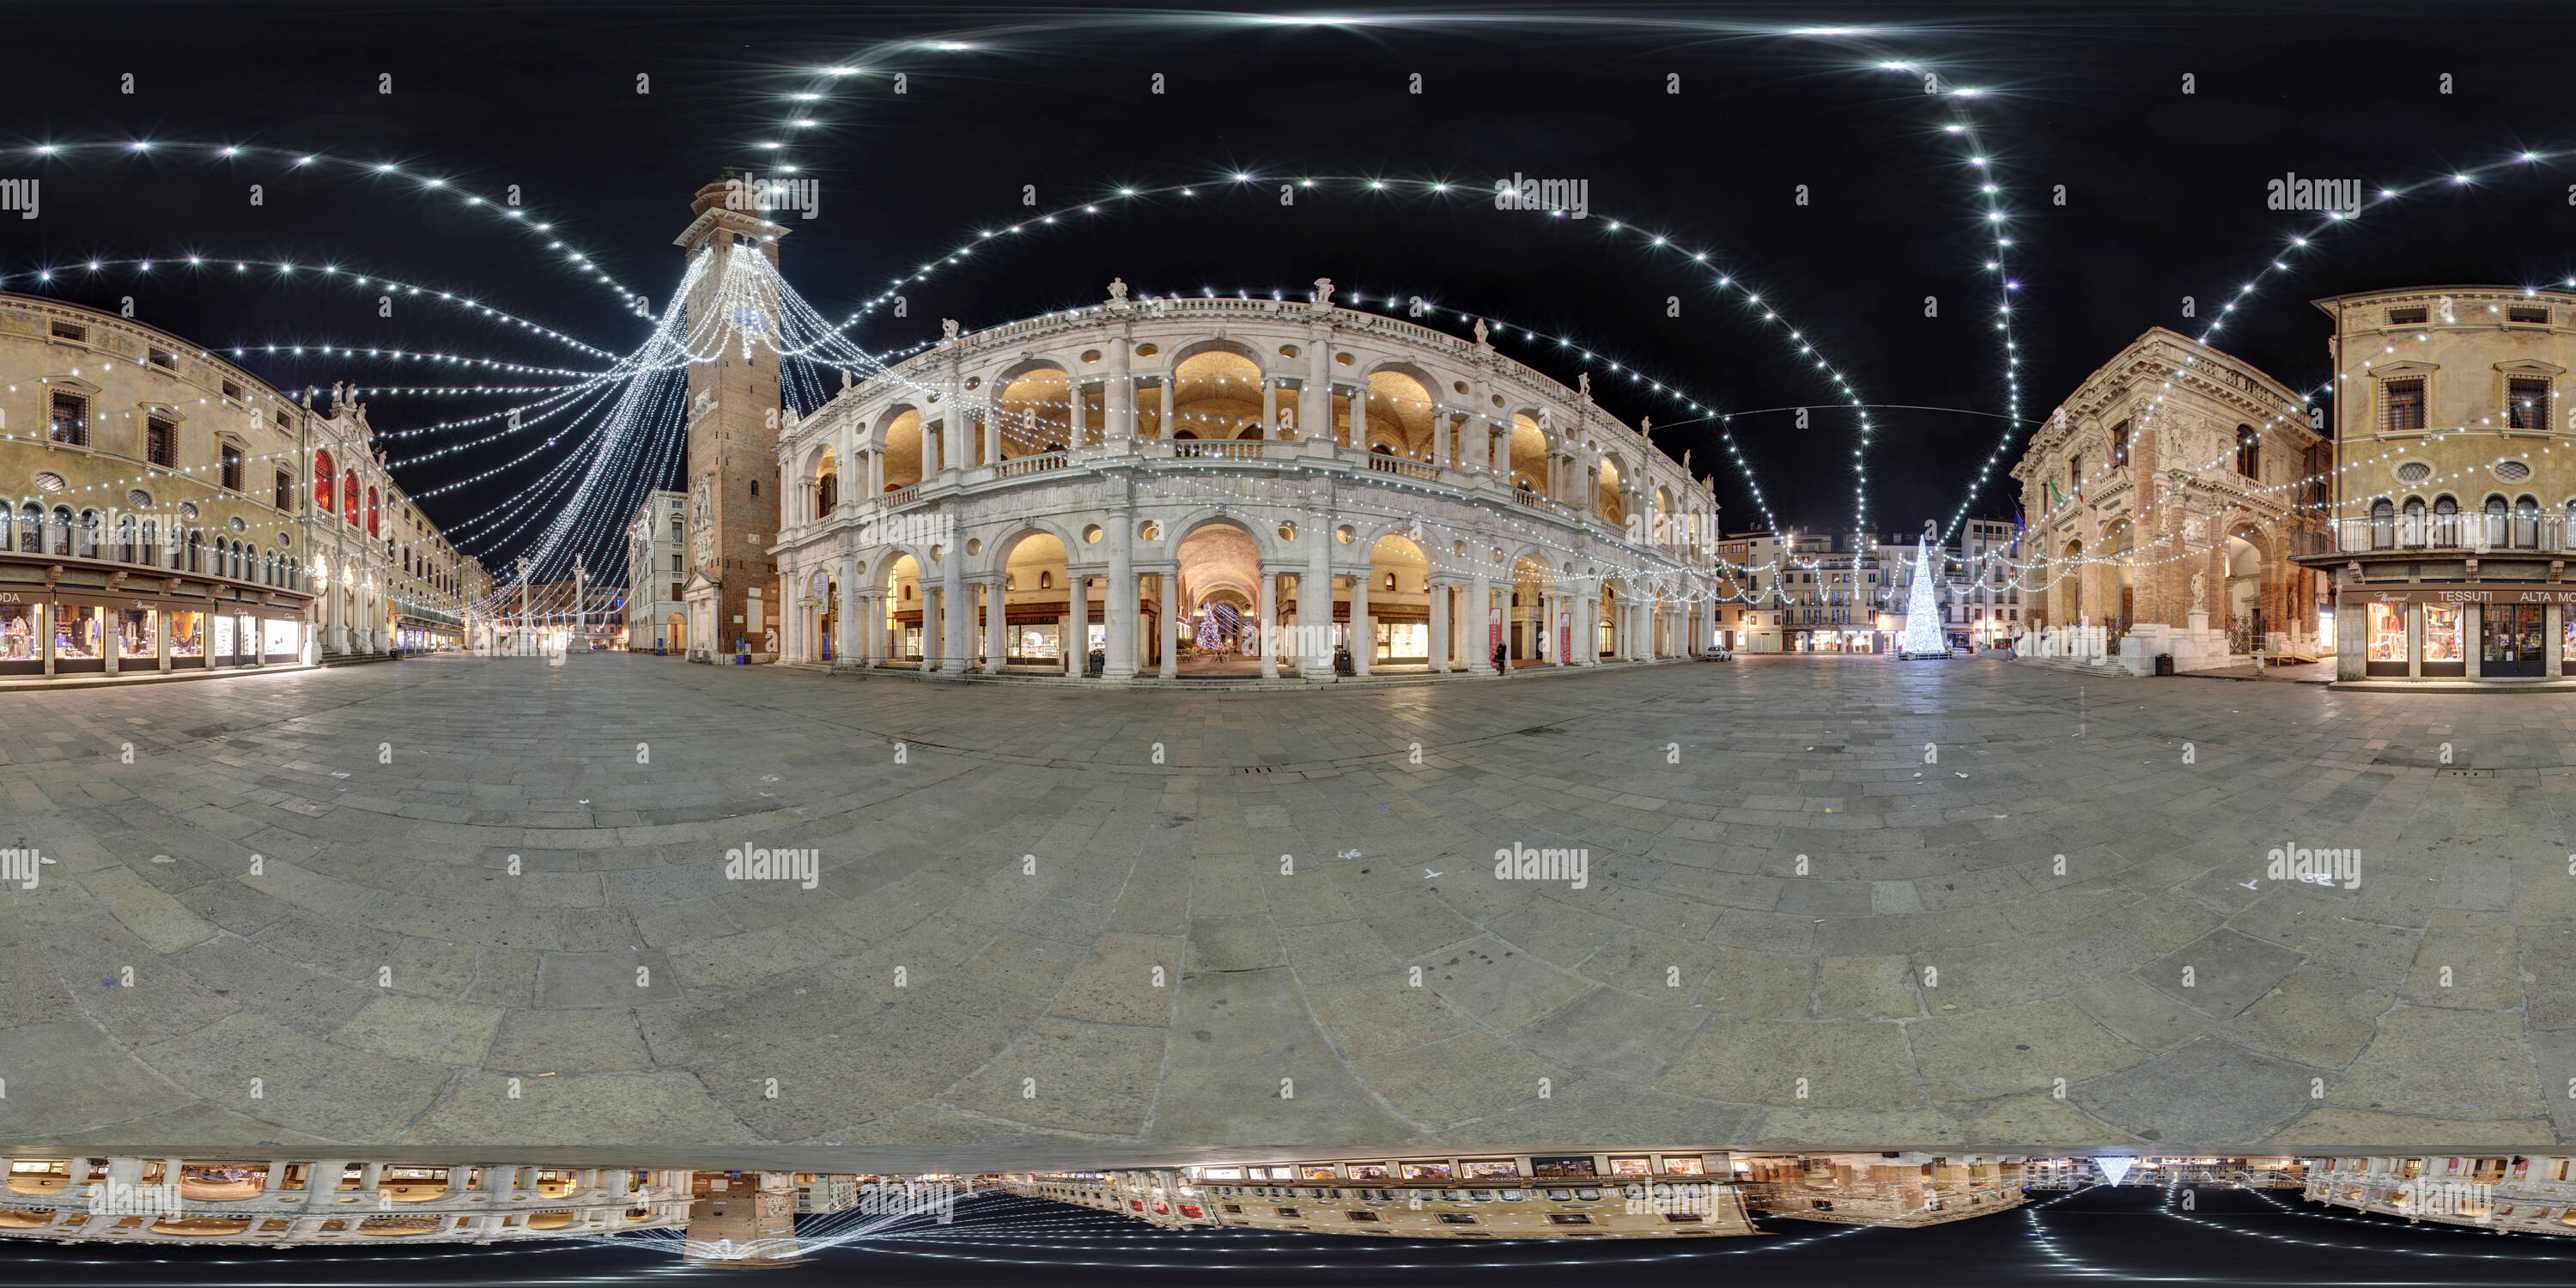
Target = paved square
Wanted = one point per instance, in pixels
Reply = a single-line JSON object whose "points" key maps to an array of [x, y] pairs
{"points": [[467, 903]]}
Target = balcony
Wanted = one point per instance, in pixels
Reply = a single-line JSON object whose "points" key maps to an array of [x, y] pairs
{"points": [[73, 543], [2450, 534]]}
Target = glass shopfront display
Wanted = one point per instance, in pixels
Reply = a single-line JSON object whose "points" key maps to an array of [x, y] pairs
{"points": [[246, 634], [1036, 643], [2510, 641], [223, 655], [138, 646], [187, 638], [22, 639], [2445, 653], [1403, 639], [2387, 625], [78, 642], [282, 639]]}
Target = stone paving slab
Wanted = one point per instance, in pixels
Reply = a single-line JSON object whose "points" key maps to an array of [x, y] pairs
{"points": [[629, 901]]}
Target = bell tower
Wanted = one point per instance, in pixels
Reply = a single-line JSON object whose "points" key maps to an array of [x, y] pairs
{"points": [[733, 490]]}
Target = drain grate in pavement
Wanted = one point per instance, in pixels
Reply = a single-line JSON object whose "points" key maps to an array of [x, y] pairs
{"points": [[1254, 769], [2464, 773]]}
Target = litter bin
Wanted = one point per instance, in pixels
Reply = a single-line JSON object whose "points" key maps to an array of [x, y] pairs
{"points": [[2164, 664]]}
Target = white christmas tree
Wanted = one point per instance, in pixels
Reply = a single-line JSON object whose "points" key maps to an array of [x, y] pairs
{"points": [[1922, 614]]}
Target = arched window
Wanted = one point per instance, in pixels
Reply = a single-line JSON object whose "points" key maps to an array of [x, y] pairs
{"points": [[89, 534], [1046, 580], [349, 495], [31, 529], [2249, 452], [827, 496], [322, 471], [196, 552], [371, 512], [128, 549], [2410, 528], [2526, 522], [2383, 524], [1390, 581]]}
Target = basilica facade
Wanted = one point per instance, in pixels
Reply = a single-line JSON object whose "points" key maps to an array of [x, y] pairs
{"points": [[1142, 489]]}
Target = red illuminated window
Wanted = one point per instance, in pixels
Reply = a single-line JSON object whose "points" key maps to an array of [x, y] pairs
{"points": [[322, 481]]}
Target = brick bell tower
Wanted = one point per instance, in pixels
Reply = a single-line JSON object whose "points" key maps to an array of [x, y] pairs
{"points": [[732, 488]]}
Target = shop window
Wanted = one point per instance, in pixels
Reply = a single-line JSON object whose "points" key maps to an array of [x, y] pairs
{"points": [[1576, 1165], [2445, 652], [18, 639]]}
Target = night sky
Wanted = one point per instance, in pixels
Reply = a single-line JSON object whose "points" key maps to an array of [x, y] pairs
{"points": [[2132, 1233], [2164, 191]]}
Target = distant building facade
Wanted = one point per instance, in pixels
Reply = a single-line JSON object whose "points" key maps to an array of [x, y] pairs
{"points": [[2167, 498]]}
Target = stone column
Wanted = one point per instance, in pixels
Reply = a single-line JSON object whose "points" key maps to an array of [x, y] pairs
{"points": [[1078, 647], [1315, 401], [1269, 407], [1165, 426], [931, 626], [1121, 391], [1119, 611], [1078, 407], [2473, 625], [992, 433], [956, 612], [1439, 596], [851, 599], [1266, 626], [1363, 635], [1479, 627], [1315, 600], [1587, 634], [1169, 586], [997, 643]]}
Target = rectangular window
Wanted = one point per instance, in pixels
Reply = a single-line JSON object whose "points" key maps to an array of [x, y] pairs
{"points": [[232, 468], [2526, 315], [1679, 1218], [2442, 643], [72, 331], [2405, 402], [285, 491], [1456, 1218], [2410, 315], [2527, 402], [70, 419], [2119, 444], [233, 391], [1359, 1216], [162, 358], [1568, 1218], [161, 442]]}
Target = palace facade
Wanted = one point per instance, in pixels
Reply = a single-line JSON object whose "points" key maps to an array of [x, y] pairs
{"points": [[291, 1201], [1632, 1194], [163, 510], [2167, 500], [1183, 484], [2452, 503], [2530, 1194]]}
